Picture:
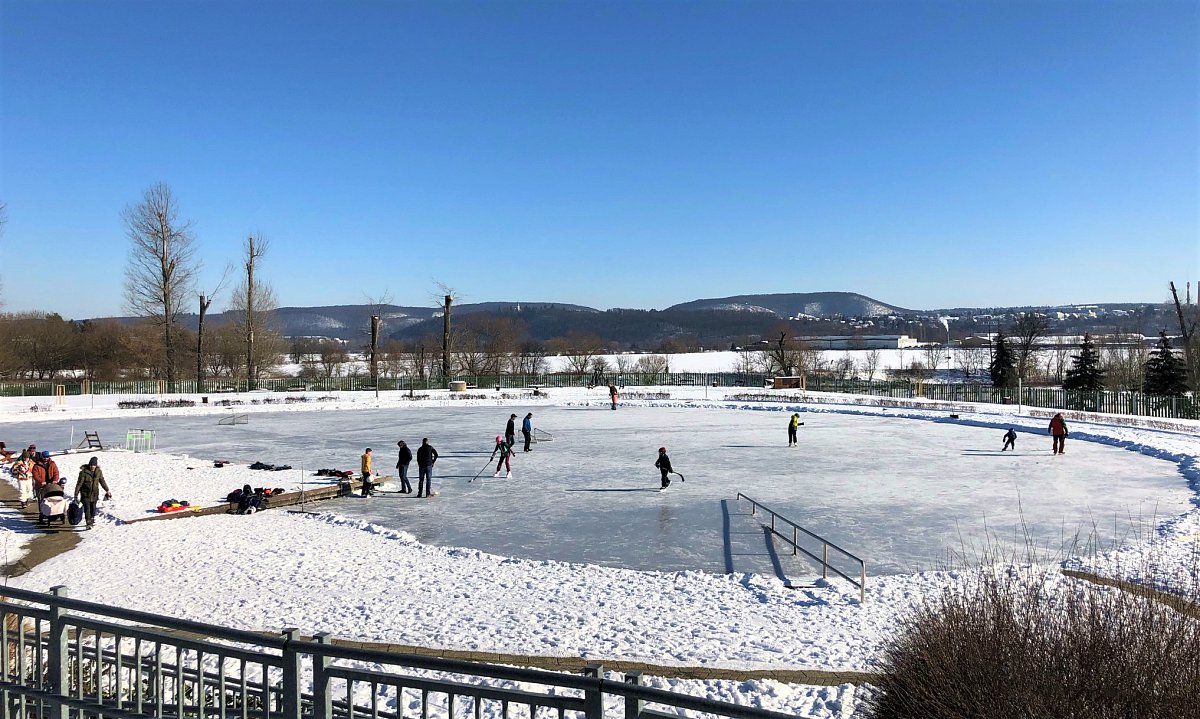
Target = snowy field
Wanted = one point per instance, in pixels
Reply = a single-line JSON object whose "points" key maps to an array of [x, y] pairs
{"points": [[385, 569]]}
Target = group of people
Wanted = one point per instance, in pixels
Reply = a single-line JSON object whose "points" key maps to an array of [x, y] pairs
{"points": [[38, 477], [426, 457]]}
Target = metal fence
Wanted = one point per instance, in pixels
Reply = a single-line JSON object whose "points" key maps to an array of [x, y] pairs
{"points": [[1132, 403], [826, 545], [364, 384], [71, 659]]}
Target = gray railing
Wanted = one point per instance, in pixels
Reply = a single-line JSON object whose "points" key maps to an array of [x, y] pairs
{"points": [[70, 659], [826, 545]]}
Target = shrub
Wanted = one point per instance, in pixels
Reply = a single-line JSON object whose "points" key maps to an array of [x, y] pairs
{"points": [[1029, 643]]}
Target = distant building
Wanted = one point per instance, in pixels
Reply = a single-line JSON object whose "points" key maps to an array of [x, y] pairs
{"points": [[860, 342]]}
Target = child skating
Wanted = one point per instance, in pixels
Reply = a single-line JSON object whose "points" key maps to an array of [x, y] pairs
{"points": [[504, 448], [664, 466], [1010, 440]]}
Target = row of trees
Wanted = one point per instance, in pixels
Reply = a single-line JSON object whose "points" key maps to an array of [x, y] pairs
{"points": [[1162, 371]]}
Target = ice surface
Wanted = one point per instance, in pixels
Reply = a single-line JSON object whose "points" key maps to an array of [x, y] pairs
{"points": [[901, 493]]}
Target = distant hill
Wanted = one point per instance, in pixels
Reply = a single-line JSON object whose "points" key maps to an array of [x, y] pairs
{"points": [[812, 304]]}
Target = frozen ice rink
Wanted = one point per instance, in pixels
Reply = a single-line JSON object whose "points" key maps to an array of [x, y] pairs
{"points": [[901, 493]]}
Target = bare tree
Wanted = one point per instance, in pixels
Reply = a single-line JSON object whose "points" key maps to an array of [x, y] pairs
{"points": [[1188, 320], [1123, 360], [333, 357], [651, 364], [1026, 331], [530, 359], [205, 302], [748, 362], [870, 363], [253, 302], [161, 267], [580, 348], [971, 360], [933, 354]]}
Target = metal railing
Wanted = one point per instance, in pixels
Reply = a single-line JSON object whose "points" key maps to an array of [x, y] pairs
{"points": [[361, 383], [826, 545], [100, 661]]}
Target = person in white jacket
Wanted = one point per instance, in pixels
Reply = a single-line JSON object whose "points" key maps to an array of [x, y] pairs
{"points": [[23, 471]]}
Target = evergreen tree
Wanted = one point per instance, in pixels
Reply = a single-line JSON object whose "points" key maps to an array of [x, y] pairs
{"points": [[1003, 367], [1165, 371], [1085, 373]]}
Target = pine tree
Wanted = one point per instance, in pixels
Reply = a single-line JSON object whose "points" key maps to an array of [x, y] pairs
{"points": [[1085, 373], [1165, 371], [1003, 367]]}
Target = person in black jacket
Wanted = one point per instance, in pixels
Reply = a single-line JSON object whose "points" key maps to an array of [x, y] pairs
{"points": [[1010, 440], [664, 465], [402, 465], [510, 430], [426, 456]]}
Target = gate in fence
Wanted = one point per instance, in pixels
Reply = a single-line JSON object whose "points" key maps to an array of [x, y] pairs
{"points": [[70, 659]]}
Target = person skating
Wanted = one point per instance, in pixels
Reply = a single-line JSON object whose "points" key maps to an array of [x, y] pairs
{"points": [[793, 423], [510, 430], [87, 489], [426, 457], [664, 466], [527, 429], [612, 395], [368, 487], [504, 448], [402, 465], [1058, 432], [1010, 440]]}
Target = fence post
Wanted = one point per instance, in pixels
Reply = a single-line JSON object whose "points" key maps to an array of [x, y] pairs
{"points": [[633, 707], [593, 697], [322, 703], [291, 675], [60, 672], [824, 560]]}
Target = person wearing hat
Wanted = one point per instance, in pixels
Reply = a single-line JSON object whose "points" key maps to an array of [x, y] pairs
{"points": [[5, 453], [504, 447], [45, 474], [29, 452], [87, 488], [402, 463], [22, 469], [793, 423], [664, 465], [510, 430]]}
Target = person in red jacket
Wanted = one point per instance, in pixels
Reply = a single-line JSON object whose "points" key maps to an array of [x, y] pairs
{"points": [[45, 475], [1058, 432]]}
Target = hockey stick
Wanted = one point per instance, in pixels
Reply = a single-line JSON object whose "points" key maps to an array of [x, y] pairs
{"points": [[681, 479], [489, 463]]}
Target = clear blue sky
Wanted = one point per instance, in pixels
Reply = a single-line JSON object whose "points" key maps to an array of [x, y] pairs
{"points": [[612, 154]]}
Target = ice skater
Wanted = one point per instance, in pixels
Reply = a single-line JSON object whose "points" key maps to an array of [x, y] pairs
{"points": [[1058, 431], [612, 395], [402, 464], [527, 430], [504, 448], [1010, 440], [664, 466], [793, 423]]}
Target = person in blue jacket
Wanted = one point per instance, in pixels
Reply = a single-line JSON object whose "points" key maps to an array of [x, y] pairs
{"points": [[527, 429]]}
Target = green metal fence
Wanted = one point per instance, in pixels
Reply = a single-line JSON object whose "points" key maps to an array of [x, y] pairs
{"points": [[364, 384], [1133, 403]]}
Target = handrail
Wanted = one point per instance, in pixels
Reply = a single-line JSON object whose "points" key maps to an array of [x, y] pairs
{"points": [[826, 567]]}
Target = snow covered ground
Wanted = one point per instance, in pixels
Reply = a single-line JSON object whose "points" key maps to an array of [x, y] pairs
{"points": [[354, 576]]}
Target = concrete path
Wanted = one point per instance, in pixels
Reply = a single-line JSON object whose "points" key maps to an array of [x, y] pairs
{"points": [[47, 542]]}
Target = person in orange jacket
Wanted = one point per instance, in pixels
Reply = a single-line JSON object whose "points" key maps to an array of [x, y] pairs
{"points": [[45, 474]]}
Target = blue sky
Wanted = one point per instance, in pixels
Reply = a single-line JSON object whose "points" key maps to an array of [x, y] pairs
{"points": [[611, 154]]}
